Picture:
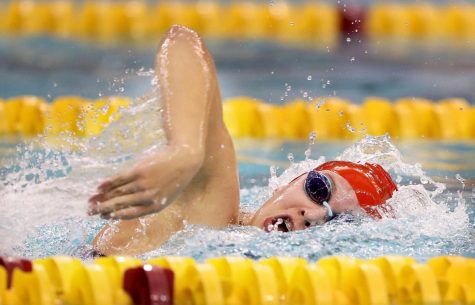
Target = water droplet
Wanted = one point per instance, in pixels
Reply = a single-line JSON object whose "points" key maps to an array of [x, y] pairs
{"points": [[424, 180], [348, 39], [320, 103], [350, 128], [312, 137], [461, 180], [352, 59], [290, 156], [309, 77], [308, 153]]}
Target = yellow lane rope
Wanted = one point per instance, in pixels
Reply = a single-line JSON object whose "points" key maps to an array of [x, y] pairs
{"points": [[328, 117], [318, 23], [236, 280]]}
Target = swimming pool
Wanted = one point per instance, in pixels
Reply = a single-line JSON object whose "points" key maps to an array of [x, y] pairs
{"points": [[49, 218]]}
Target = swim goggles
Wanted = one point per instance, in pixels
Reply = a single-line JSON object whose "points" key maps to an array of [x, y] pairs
{"points": [[319, 188]]}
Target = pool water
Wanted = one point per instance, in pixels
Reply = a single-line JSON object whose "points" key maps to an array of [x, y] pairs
{"points": [[49, 68], [48, 217], [44, 189]]}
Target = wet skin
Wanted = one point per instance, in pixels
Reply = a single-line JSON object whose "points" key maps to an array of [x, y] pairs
{"points": [[194, 178]]}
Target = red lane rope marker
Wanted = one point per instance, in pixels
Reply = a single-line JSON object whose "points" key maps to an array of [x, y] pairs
{"points": [[352, 19], [10, 263], [149, 285]]}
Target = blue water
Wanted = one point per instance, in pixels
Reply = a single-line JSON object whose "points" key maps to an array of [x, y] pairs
{"points": [[43, 191]]}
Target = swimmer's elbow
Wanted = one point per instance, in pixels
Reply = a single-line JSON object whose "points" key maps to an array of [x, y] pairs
{"points": [[184, 36], [179, 31]]}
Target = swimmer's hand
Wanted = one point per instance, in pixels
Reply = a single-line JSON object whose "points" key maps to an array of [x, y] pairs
{"points": [[149, 187]]}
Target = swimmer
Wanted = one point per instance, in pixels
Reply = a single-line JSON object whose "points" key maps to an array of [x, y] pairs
{"points": [[194, 178]]}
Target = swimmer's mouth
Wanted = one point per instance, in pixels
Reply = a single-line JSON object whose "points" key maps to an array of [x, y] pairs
{"points": [[281, 223]]}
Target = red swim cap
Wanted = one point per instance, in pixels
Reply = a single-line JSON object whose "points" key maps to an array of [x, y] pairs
{"points": [[371, 183]]}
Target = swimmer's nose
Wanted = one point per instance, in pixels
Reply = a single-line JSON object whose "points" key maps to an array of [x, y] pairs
{"points": [[313, 217]]}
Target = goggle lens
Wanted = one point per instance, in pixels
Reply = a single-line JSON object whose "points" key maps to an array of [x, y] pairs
{"points": [[318, 187]]}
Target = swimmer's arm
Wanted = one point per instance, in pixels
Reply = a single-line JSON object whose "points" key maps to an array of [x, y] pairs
{"points": [[185, 72], [187, 83]]}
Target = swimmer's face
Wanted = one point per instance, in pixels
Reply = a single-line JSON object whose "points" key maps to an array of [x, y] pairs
{"points": [[291, 209]]}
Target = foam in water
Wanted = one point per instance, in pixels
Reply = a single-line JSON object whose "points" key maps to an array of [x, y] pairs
{"points": [[51, 180], [44, 202]]}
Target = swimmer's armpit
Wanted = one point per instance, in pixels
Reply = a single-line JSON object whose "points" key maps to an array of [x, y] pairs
{"points": [[155, 182]]}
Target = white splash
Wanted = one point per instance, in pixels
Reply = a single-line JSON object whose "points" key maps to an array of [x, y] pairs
{"points": [[48, 185]]}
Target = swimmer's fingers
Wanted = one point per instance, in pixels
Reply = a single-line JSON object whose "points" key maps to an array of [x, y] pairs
{"points": [[117, 181], [126, 189], [97, 199], [117, 203]]}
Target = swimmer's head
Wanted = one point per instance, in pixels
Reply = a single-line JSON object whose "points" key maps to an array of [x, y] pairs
{"points": [[318, 196]]}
